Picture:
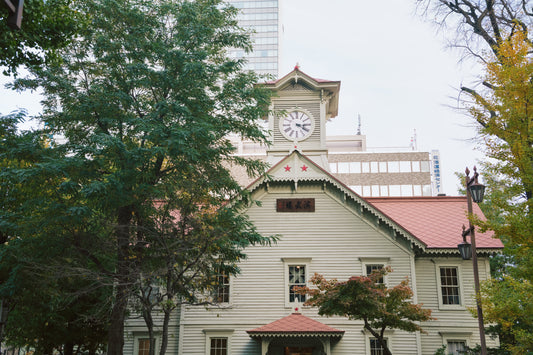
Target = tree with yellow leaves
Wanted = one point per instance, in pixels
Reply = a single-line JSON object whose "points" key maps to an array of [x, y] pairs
{"points": [[505, 114]]}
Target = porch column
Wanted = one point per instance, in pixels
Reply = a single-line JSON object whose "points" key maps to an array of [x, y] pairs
{"points": [[264, 346], [327, 345]]}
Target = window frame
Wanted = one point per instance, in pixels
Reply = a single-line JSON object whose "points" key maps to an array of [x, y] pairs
{"points": [[293, 262], [144, 335], [442, 306], [452, 336], [375, 261], [388, 338], [230, 288], [217, 333]]}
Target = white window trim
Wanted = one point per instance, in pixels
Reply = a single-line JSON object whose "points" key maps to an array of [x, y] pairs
{"points": [[372, 261], [455, 336], [291, 262], [387, 336], [217, 333], [230, 303], [461, 305], [144, 335]]}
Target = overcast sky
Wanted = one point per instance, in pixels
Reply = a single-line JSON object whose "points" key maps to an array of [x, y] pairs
{"points": [[394, 70]]}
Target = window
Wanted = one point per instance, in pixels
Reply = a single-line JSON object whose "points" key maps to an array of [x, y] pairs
{"points": [[144, 346], [343, 167], [333, 167], [449, 282], [296, 270], [405, 166], [456, 347], [371, 267], [374, 167], [218, 341], [393, 166], [222, 289], [382, 166], [296, 279], [449, 287], [141, 344], [355, 167], [375, 347], [365, 167], [219, 346]]}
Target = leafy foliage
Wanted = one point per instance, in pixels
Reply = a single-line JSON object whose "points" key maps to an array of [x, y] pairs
{"points": [[46, 27], [142, 103], [365, 298], [498, 34], [506, 120]]}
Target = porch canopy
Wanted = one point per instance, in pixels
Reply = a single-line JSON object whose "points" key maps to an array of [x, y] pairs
{"points": [[295, 325]]}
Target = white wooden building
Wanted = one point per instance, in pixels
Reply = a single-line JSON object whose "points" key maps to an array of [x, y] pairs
{"points": [[327, 228]]}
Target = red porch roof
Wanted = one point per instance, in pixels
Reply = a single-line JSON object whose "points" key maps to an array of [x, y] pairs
{"points": [[295, 324]]}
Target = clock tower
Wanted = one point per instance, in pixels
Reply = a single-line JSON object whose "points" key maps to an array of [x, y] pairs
{"points": [[301, 106]]}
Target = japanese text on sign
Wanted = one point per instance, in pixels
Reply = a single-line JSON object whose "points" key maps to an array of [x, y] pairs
{"points": [[295, 205]]}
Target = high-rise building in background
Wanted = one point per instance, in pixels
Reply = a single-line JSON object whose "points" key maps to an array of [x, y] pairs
{"points": [[262, 17]]}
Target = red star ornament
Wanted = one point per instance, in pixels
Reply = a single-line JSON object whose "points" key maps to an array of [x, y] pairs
{"points": [[304, 167], [287, 168]]}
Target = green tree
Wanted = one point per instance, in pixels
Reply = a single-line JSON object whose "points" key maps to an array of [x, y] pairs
{"points": [[47, 26], [143, 101], [52, 306], [368, 299]]}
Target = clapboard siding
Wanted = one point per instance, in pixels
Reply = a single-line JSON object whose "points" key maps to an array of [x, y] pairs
{"points": [[457, 323], [135, 327], [334, 238]]}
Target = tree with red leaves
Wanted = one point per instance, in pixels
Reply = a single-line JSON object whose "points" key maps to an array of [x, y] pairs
{"points": [[368, 299]]}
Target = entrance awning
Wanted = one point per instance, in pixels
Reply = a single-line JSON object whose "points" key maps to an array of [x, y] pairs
{"points": [[295, 325]]}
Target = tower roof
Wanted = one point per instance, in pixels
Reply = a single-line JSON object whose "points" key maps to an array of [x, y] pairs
{"points": [[329, 89]]}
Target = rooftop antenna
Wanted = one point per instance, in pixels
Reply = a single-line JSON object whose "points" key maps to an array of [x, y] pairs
{"points": [[359, 124], [413, 141]]}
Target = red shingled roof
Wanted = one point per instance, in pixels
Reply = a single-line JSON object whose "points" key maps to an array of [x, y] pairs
{"points": [[296, 323], [437, 221]]}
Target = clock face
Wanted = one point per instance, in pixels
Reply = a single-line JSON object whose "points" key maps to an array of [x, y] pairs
{"points": [[297, 125]]}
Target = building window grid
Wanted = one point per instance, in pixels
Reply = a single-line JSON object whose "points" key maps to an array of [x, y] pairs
{"points": [[375, 347], [392, 190], [223, 288], [456, 347], [219, 346], [296, 279], [374, 167], [449, 281], [371, 268], [144, 346]]}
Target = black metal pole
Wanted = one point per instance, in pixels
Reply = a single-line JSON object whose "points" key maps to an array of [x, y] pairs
{"points": [[474, 262]]}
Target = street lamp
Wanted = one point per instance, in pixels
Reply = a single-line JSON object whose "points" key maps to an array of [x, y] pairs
{"points": [[475, 192]]}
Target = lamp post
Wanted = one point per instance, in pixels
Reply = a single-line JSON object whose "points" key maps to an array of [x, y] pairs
{"points": [[474, 191]]}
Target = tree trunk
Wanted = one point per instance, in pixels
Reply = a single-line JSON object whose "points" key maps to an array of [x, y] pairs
{"points": [[149, 321], [123, 285], [164, 337], [379, 337], [68, 349]]}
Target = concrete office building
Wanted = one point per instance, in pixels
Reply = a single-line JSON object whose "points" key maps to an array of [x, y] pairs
{"points": [[393, 172]]}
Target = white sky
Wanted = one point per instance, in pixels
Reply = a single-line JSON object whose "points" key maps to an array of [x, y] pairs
{"points": [[394, 70]]}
